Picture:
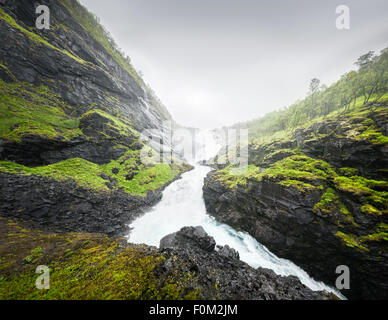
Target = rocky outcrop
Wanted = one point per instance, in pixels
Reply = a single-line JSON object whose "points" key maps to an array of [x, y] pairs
{"points": [[222, 274], [228, 252], [67, 207], [317, 198], [283, 219], [335, 140], [343, 141], [188, 237]]}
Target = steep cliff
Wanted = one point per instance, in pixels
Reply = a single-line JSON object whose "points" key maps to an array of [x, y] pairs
{"points": [[90, 92], [72, 110], [317, 197]]}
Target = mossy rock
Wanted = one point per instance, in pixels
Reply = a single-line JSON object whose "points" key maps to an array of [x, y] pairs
{"points": [[85, 267]]}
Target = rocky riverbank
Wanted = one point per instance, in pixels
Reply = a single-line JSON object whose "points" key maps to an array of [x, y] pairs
{"points": [[67, 207], [92, 266], [298, 200]]}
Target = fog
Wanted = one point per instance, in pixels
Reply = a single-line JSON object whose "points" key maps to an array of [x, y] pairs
{"points": [[218, 62]]}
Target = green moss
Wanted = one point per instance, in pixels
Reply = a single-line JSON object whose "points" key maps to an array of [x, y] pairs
{"points": [[369, 209], [35, 37], [229, 178], [328, 202], [151, 179], [81, 171], [35, 255], [90, 175], [10, 74], [348, 172], [365, 188], [351, 241], [300, 185], [361, 243], [376, 237], [301, 168], [97, 268], [299, 171], [120, 125], [28, 109], [374, 135], [136, 178], [382, 227]]}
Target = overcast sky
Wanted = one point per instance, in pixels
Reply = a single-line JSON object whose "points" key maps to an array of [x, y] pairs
{"points": [[218, 62]]}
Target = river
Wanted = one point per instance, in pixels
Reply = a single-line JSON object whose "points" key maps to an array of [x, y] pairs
{"points": [[183, 205]]}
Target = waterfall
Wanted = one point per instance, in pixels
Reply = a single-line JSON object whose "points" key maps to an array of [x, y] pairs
{"points": [[183, 205]]}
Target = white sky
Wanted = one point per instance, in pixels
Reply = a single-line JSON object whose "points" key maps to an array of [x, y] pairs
{"points": [[218, 62]]}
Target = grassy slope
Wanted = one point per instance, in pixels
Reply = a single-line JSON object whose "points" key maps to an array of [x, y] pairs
{"points": [[356, 110], [84, 266], [90, 175], [26, 109]]}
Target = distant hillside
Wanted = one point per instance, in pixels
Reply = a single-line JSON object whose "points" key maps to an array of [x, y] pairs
{"points": [[366, 85]]}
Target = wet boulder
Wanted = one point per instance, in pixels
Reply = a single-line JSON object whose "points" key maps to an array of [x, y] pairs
{"points": [[189, 237]]}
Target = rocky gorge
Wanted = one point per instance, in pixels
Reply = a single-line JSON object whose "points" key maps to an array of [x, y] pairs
{"points": [[75, 117], [311, 198]]}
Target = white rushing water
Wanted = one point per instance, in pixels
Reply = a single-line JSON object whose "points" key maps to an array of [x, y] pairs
{"points": [[183, 205]]}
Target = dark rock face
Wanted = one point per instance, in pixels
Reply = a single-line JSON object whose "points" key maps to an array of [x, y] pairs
{"points": [[343, 151], [228, 252], [31, 150], [93, 83], [188, 237], [35, 150], [283, 220], [67, 207], [93, 79], [234, 279]]}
